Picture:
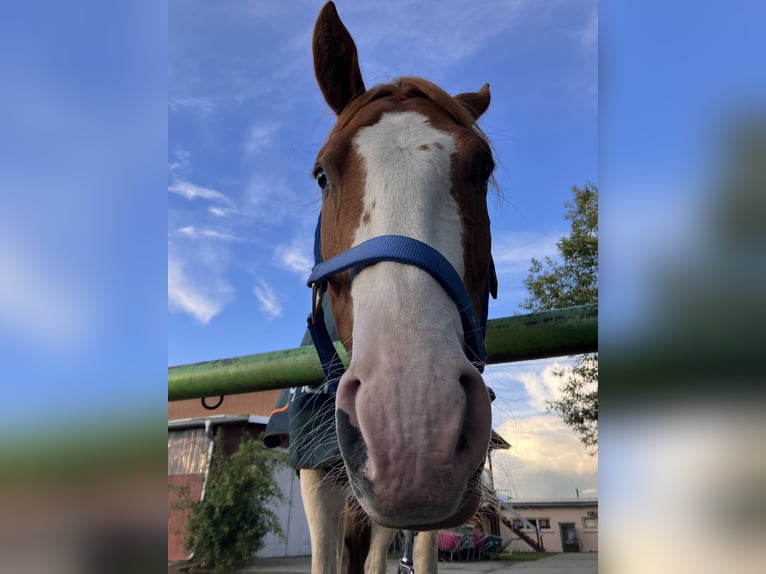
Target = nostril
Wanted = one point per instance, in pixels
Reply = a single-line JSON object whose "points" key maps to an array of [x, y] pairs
{"points": [[472, 384], [349, 384], [353, 384], [477, 423], [471, 379], [347, 421], [351, 442], [462, 444], [348, 388], [469, 383]]}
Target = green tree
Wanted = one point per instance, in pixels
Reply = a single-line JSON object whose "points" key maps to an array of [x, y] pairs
{"points": [[227, 527], [573, 280]]}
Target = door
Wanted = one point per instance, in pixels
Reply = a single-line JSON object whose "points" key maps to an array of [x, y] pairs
{"points": [[569, 541]]}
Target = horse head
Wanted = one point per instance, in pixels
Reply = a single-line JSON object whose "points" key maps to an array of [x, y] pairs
{"points": [[412, 411]]}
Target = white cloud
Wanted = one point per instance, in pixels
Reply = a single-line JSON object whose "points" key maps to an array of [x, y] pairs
{"points": [[544, 442], [295, 257], [267, 298], [583, 78], [202, 300], [542, 386], [269, 200], [436, 39], [546, 460], [202, 105], [181, 163], [259, 138], [219, 211], [523, 388], [513, 252], [207, 233], [191, 192], [588, 34]]}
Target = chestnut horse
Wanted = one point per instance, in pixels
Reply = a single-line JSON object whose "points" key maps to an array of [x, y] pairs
{"points": [[413, 417]]}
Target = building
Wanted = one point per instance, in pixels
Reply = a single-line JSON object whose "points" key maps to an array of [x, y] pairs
{"points": [[191, 433], [556, 525]]}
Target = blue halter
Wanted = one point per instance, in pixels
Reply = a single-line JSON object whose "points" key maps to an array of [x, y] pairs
{"points": [[399, 249]]}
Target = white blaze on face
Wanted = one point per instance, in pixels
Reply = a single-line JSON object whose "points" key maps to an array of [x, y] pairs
{"points": [[419, 407], [407, 165], [407, 192]]}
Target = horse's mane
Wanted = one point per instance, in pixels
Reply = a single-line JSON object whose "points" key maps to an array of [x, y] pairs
{"points": [[411, 87]]}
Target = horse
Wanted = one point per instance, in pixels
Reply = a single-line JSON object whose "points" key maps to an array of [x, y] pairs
{"points": [[403, 251]]}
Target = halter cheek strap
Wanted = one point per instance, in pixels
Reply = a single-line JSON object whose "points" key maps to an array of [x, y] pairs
{"points": [[407, 251]]}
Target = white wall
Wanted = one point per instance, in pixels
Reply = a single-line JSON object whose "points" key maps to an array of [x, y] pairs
{"points": [[292, 518]]}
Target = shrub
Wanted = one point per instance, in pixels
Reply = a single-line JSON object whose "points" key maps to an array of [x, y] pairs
{"points": [[227, 527]]}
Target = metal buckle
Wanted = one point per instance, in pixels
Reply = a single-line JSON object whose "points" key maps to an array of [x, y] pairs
{"points": [[316, 301]]}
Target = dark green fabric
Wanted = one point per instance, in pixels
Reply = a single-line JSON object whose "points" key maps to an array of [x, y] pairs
{"points": [[309, 421]]}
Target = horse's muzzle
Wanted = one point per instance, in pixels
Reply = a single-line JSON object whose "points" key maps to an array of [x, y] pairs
{"points": [[414, 454]]}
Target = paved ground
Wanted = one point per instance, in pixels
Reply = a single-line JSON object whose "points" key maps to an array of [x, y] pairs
{"points": [[567, 563]]}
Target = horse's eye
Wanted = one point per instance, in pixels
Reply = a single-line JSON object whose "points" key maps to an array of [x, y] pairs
{"points": [[321, 178], [486, 167]]}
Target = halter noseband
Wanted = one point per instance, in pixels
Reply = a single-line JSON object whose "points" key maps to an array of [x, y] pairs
{"points": [[399, 249]]}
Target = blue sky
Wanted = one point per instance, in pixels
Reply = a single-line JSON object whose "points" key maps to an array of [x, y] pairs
{"points": [[246, 119]]}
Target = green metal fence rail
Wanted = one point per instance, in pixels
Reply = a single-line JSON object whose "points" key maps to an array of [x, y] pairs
{"points": [[524, 337]]}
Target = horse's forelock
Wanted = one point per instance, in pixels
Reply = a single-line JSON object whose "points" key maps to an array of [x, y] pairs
{"points": [[407, 87], [413, 87]]}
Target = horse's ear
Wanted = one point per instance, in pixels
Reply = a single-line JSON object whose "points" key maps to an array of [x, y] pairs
{"points": [[475, 102], [336, 64]]}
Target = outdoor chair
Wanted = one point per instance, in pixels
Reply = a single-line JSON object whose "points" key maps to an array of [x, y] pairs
{"points": [[479, 545], [465, 548], [448, 544], [455, 546]]}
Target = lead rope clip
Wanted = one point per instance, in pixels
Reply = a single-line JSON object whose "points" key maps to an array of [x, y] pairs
{"points": [[406, 565]]}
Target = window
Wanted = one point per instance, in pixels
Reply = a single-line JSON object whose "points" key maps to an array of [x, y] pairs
{"points": [[590, 523], [541, 523], [187, 451]]}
